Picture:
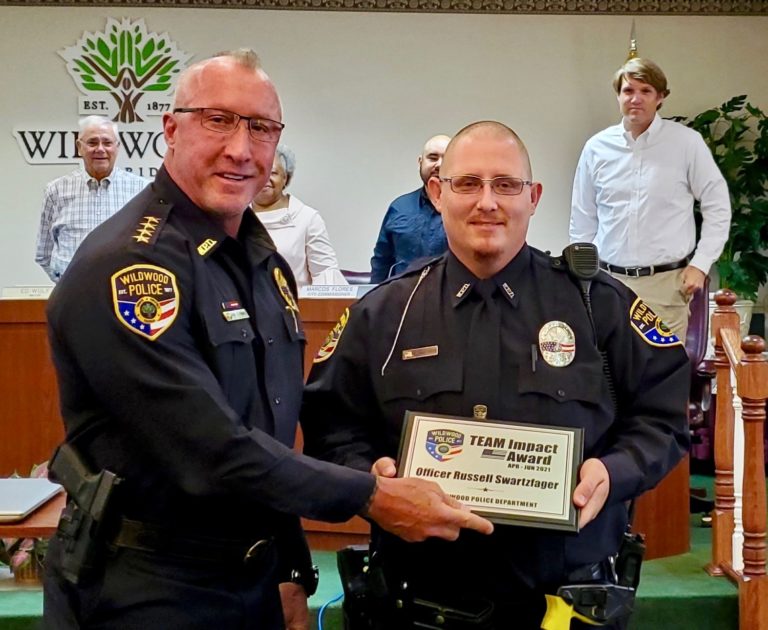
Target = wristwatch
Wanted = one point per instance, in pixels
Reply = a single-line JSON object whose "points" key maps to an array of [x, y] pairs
{"points": [[307, 578]]}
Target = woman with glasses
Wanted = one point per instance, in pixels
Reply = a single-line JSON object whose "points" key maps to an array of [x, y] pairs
{"points": [[298, 231]]}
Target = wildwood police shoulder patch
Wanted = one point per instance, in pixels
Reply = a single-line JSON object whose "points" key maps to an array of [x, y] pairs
{"points": [[650, 327], [332, 340], [146, 299]]}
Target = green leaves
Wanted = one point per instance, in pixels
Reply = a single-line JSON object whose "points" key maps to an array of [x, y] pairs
{"points": [[737, 134]]}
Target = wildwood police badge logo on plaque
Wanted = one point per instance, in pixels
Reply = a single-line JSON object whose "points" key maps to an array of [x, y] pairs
{"points": [[444, 444], [146, 299], [557, 343]]}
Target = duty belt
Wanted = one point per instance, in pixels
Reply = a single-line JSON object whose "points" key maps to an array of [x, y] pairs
{"points": [[637, 272], [156, 539]]}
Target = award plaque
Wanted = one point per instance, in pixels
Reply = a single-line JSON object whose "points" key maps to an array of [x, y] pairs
{"points": [[510, 473]]}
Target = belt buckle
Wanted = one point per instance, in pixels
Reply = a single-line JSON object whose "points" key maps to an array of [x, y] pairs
{"points": [[633, 272], [256, 551]]}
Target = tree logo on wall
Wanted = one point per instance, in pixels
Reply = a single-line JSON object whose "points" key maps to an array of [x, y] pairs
{"points": [[125, 72]]}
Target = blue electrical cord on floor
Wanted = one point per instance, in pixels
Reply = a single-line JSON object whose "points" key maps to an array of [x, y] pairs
{"points": [[323, 607]]}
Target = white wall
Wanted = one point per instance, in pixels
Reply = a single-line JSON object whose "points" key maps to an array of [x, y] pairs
{"points": [[362, 91]]}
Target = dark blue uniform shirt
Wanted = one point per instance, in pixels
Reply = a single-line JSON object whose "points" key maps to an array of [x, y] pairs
{"points": [[411, 229]]}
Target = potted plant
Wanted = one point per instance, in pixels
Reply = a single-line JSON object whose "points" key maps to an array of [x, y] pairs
{"points": [[24, 556], [737, 134]]}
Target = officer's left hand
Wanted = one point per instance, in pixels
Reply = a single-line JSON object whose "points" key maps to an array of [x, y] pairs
{"points": [[295, 608], [592, 491], [692, 280]]}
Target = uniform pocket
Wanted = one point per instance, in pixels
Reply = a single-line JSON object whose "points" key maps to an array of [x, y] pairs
{"points": [[221, 332], [419, 379], [581, 382]]}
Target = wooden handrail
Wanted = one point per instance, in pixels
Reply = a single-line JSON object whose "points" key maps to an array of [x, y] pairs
{"points": [[732, 346], [741, 362]]}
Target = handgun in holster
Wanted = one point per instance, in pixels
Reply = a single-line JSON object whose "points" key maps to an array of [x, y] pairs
{"points": [[604, 602], [83, 521]]}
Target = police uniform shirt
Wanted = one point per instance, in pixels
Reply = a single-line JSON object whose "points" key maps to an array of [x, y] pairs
{"points": [[179, 355], [356, 399]]}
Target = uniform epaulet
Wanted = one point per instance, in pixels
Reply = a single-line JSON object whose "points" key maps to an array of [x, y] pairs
{"points": [[546, 258]]}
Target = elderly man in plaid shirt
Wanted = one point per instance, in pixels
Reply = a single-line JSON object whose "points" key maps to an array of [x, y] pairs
{"points": [[78, 202]]}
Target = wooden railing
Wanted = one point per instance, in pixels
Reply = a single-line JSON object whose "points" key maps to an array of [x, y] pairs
{"points": [[740, 492]]}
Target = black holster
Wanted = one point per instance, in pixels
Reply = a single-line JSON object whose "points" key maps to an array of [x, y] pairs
{"points": [[89, 511]]}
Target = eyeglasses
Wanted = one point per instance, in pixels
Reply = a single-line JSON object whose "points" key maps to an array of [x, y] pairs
{"points": [[95, 144], [222, 121], [470, 184]]}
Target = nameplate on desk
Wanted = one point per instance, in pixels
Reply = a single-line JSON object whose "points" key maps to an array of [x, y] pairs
{"points": [[34, 292], [329, 291]]}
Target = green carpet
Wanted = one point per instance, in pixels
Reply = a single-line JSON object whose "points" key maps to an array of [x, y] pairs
{"points": [[675, 593]]}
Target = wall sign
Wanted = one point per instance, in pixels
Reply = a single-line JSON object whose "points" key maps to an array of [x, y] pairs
{"points": [[126, 73]]}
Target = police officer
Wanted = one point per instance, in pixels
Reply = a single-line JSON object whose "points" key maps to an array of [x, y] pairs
{"points": [[178, 346], [498, 326]]}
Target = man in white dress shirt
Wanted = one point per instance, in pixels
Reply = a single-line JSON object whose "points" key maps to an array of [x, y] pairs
{"points": [[76, 203], [634, 192]]}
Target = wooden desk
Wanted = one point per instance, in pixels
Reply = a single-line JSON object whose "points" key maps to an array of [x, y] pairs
{"points": [[40, 524]]}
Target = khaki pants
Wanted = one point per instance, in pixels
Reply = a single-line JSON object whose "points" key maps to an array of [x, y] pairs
{"points": [[662, 292]]}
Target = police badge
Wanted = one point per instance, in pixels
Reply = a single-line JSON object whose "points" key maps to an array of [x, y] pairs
{"points": [[557, 343]]}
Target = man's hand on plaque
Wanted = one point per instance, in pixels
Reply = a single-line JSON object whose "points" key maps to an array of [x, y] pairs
{"points": [[416, 509], [592, 491]]}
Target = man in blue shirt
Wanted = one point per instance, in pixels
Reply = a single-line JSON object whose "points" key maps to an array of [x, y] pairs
{"points": [[412, 228]]}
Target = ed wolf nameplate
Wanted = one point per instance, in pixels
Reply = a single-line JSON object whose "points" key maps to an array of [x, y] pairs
{"points": [[515, 474]]}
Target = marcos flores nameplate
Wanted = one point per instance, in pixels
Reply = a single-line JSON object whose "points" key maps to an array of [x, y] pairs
{"points": [[516, 474]]}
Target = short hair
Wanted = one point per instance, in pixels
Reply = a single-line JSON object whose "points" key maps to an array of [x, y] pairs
{"points": [[288, 159], [499, 128], [641, 70], [241, 56], [97, 121]]}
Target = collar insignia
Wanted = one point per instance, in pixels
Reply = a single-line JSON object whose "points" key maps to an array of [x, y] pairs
{"points": [[510, 293], [463, 289], [650, 327], [146, 299], [146, 230], [557, 343], [206, 246]]}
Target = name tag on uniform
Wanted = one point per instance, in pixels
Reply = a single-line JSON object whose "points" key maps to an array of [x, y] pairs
{"points": [[232, 311], [419, 353]]}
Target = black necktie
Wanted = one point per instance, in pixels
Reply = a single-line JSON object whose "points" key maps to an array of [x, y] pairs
{"points": [[481, 358]]}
